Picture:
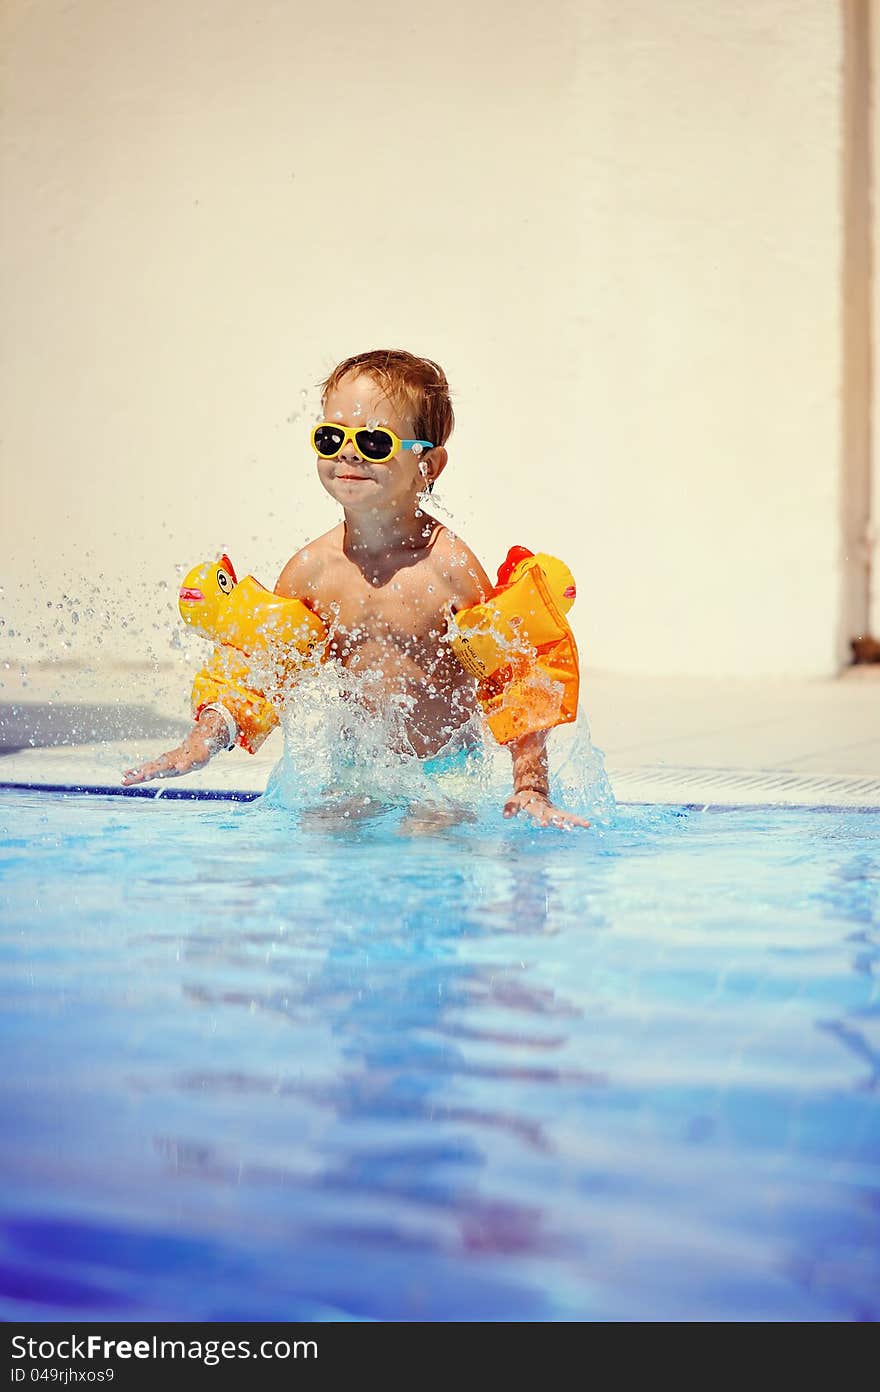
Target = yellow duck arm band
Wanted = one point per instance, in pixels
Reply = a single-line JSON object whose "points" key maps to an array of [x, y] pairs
{"points": [[227, 680], [520, 647], [263, 643]]}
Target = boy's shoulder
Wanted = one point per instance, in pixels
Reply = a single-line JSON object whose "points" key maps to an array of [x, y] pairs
{"points": [[308, 564], [448, 547], [459, 566]]}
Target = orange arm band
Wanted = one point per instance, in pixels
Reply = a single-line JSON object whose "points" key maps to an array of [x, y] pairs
{"points": [[520, 647]]}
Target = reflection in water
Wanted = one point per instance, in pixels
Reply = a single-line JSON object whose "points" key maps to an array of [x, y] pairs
{"points": [[405, 1005], [852, 893], [858, 1045]]}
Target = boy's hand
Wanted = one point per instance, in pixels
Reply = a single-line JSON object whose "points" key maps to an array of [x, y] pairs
{"points": [[541, 810], [205, 740]]}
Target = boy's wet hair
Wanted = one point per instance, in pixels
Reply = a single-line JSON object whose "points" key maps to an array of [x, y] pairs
{"points": [[416, 385]]}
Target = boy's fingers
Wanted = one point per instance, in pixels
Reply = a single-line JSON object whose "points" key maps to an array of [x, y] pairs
{"points": [[136, 775], [167, 766], [545, 814], [140, 775]]}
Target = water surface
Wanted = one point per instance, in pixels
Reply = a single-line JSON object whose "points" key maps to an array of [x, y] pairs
{"points": [[257, 1069]]}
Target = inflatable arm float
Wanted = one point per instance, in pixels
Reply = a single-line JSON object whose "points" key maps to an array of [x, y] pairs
{"points": [[519, 646], [262, 641]]}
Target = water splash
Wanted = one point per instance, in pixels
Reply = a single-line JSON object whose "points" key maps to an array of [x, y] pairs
{"points": [[347, 749], [346, 739], [578, 780]]}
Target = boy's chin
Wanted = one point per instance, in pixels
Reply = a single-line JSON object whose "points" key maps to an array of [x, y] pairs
{"points": [[350, 494]]}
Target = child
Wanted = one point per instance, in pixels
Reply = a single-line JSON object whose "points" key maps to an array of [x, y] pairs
{"points": [[384, 579]]}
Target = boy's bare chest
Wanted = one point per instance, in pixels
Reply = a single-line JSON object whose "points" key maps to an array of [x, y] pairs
{"points": [[405, 609]]}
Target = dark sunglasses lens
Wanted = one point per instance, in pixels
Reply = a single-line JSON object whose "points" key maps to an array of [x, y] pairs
{"points": [[328, 440], [374, 444]]}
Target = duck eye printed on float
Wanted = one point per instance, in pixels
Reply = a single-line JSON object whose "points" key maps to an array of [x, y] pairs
{"points": [[225, 581]]}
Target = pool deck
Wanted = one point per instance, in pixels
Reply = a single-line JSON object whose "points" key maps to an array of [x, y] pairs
{"points": [[665, 739]]}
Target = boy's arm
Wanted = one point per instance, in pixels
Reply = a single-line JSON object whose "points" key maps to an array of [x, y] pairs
{"points": [[215, 730], [294, 582], [529, 756], [531, 785], [208, 736]]}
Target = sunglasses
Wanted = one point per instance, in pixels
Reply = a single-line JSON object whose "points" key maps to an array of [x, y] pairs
{"points": [[377, 445]]}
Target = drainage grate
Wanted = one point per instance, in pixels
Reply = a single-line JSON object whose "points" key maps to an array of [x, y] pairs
{"points": [[762, 785]]}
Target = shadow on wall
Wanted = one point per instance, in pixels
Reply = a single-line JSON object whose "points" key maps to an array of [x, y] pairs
{"points": [[40, 724]]}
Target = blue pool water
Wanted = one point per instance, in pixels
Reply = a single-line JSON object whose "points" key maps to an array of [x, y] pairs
{"points": [[258, 1069]]}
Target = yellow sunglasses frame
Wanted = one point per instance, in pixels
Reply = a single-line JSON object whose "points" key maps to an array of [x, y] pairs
{"points": [[351, 432]]}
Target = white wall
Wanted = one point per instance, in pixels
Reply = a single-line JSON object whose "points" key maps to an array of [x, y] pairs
{"points": [[617, 225], [710, 381]]}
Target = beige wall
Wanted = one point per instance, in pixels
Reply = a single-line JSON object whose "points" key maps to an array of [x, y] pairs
{"points": [[617, 225], [873, 537]]}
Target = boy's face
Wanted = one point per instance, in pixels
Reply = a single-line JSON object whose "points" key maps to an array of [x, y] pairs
{"points": [[358, 483]]}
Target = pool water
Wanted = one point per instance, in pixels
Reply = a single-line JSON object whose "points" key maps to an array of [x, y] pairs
{"points": [[260, 1067]]}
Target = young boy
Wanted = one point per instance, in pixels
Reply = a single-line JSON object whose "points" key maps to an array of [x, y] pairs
{"points": [[384, 579]]}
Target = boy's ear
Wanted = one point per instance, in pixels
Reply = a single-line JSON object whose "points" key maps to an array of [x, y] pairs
{"points": [[432, 463]]}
